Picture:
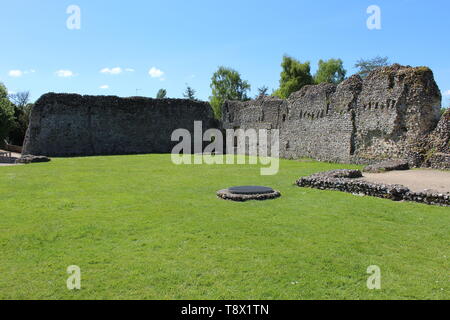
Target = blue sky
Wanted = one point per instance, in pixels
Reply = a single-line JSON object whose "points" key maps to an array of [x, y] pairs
{"points": [[185, 42]]}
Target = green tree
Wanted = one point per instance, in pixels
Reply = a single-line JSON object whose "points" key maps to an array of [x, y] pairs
{"points": [[294, 76], [22, 110], [331, 71], [189, 93], [226, 84], [365, 66], [262, 91], [6, 114], [17, 133], [162, 94]]}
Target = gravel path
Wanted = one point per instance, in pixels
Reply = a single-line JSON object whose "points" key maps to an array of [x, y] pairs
{"points": [[415, 180]]}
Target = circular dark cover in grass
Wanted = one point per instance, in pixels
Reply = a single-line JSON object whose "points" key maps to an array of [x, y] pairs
{"points": [[248, 193], [250, 190]]}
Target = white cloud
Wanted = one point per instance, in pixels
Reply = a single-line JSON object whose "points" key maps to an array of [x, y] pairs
{"points": [[116, 70], [447, 93], [156, 73], [105, 86], [19, 73], [64, 73], [15, 73]]}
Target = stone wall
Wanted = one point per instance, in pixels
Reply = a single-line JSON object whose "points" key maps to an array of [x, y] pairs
{"points": [[75, 125], [352, 181], [391, 114], [383, 116], [437, 147]]}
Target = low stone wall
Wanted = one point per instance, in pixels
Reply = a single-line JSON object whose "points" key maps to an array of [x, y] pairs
{"points": [[347, 181], [439, 160], [8, 160]]}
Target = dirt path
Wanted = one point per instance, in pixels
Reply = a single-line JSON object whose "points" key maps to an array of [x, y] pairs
{"points": [[415, 180]]}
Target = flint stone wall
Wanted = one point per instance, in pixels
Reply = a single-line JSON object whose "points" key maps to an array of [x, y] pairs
{"points": [[350, 181], [75, 125], [437, 146], [391, 114], [383, 116]]}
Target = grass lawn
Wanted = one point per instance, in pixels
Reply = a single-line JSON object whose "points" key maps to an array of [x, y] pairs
{"points": [[140, 227]]}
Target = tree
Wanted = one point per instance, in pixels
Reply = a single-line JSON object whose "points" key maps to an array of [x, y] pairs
{"points": [[365, 66], [6, 114], [331, 71], [226, 84], [294, 76], [262, 91], [189, 93], [17, 133], [22, 110], [20, 99], [162, 94]]}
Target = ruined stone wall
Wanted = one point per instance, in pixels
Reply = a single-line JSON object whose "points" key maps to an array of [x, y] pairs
{"points": [[391, 114], [75, 125], [436, 148], [360, 120], [397, 107]]}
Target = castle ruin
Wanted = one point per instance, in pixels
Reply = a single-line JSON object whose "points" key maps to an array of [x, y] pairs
{"points": [[66, 125], [388, 115], [394, 113]]}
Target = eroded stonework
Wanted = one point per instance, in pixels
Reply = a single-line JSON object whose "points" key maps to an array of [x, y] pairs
{"points": [[350, 181], [383, 116], [394, 113], [437, 147], [75, 125]]}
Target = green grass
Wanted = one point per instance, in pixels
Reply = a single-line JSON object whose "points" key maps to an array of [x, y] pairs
{"points": [[140, 227]]}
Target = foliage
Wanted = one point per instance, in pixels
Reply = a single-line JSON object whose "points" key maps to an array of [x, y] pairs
{"points": [[189, 93], [21, 119], [6, 114], [365, 66], [138, 232], [227, 84], [263, 91], [22, 109], [20, 99], [294, 76], [162, 94], [331, 71]]}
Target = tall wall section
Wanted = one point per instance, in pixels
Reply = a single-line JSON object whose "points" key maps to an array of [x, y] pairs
{"points": [[74, 125], [360, 120]]}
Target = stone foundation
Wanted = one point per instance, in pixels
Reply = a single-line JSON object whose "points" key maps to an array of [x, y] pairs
{"points": [[347, 181], [227, 195]]}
